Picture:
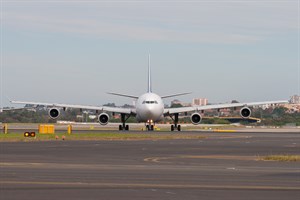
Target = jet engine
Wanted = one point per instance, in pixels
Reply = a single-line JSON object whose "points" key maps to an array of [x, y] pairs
{"points": [[245, 112], [103, 118], [196, 118], [54, 113]]}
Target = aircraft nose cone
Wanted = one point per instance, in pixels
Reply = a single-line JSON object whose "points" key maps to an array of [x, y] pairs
{"points": [[150, 112], [149, 109]]}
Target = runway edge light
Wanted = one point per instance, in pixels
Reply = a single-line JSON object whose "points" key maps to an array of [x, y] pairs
{"points": [[32, 134], [29, 134]]}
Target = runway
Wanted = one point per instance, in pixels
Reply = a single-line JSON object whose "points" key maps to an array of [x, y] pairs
{"points": [[221, 166]]}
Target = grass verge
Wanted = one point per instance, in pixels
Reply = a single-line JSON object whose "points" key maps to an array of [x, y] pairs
{"points": [[18, 137], [283, 158]]}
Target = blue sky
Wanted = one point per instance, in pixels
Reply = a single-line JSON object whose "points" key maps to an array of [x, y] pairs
{"points": [[76, 51]]}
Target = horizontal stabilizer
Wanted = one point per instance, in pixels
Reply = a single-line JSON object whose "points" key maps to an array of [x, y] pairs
{"points": [[123, 95], [175, 95]]}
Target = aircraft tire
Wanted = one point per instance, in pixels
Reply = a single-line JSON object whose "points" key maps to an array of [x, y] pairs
{"points": [[172, 127], [179, 127]]}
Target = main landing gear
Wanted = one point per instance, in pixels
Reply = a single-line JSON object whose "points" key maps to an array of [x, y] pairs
{"points": [[123, 126], [175, 126]]}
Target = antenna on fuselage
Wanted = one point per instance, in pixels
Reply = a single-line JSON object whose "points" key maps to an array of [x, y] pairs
{"points": [[149, 76]]}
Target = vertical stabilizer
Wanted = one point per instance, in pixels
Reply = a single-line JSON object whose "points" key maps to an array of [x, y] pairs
{"points": [[149, 76]]}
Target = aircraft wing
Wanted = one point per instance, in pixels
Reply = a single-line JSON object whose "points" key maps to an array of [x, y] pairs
{"points": [[219, 106], [97, 108], [10, 109]]}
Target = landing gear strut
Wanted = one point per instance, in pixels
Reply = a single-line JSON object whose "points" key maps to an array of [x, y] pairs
{"points": [[123, 126], [175, 126]]}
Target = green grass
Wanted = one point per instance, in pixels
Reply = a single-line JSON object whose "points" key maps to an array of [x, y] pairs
{"points": [[283, 158], [15, 137]]}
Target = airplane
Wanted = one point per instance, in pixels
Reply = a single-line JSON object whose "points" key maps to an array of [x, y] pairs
{"points": [[10, 109], [150, 109]]}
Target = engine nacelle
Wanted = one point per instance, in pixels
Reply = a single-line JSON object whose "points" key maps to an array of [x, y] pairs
{"points": [[196, 118], [245, 112], [103, 118], [54, 113]]}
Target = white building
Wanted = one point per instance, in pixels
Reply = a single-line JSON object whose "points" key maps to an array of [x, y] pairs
{"points": [[200, 102], [295, 99]]}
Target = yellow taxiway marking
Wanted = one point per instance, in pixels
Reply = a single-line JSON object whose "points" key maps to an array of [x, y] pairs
{"points": [[146, 185]]}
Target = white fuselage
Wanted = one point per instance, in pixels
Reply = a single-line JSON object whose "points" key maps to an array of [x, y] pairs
{"points": [[149, 108]]}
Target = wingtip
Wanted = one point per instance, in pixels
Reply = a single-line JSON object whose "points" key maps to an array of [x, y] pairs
{"points": [[7, 98]]}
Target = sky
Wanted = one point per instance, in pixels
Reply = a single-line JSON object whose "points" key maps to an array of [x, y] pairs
{"points": [[76, 51]]}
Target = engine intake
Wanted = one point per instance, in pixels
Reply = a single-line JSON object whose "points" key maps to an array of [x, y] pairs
{"points": [[54, 113], [196, 118], [103, 118], [245, 112]]}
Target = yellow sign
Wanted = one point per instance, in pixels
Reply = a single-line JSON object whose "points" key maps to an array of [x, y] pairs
{"points": [[46, 129]]}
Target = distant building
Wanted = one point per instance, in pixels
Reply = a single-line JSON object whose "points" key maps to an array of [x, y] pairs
{"points": [[200, 102], [295, 99]]}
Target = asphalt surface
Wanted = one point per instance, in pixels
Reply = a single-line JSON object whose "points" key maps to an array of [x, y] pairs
{"points": [[134, 127], [222, 166]]}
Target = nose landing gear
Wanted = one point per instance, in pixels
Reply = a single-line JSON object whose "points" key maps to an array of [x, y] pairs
{"points": [[149, 125]]}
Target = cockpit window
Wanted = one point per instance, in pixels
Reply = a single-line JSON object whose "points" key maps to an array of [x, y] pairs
{"points": [[150, 102]]}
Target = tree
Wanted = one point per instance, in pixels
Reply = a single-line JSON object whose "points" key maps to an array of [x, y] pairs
{"points": [[110, 105], [175, 105]]}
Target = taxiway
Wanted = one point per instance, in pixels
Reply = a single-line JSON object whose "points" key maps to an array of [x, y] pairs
{"points": [[221, 166]]}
